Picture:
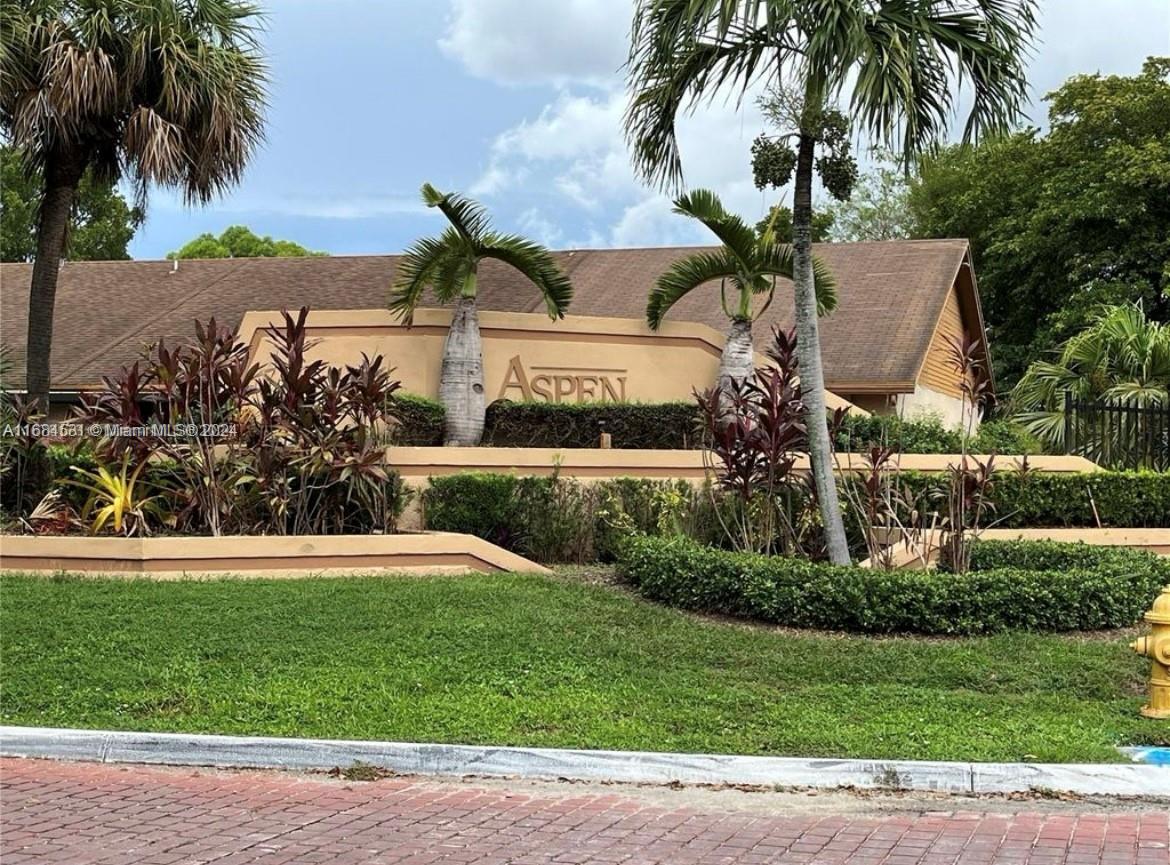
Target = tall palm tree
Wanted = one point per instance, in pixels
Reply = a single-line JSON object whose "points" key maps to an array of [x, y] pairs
{"points": [[1122, 357], [449, 264], [896, 62], [750, 261], [162, 91]]}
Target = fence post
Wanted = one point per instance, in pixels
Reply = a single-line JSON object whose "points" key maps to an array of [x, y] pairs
{"points": [[1068, 422]]}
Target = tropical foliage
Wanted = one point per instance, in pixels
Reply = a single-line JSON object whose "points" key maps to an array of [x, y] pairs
{"points": [[897, 67], [1064, 222], [296, 450], [156, 91], [751, 262], [1122, 357], [101, 225], [449, 266]]}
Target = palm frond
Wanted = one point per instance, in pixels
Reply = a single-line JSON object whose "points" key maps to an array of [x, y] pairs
{"points": [[468, 216], [685, 275], [778, 259], [417, 269], [536, 263], [705, 206]]}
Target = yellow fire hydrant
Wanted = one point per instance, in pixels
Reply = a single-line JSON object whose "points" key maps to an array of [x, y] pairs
{"points": [[1156, 647]]}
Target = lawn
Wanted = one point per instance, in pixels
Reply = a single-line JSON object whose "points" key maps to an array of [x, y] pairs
{"points": [[527, 660]]}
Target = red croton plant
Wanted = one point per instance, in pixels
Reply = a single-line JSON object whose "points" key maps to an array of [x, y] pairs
{"points": [[296, 447]]}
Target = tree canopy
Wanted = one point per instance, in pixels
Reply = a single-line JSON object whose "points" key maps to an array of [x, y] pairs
{"points": [[1063, 224], [779, 219], [877, 208], [101, 227], [239, 241]]}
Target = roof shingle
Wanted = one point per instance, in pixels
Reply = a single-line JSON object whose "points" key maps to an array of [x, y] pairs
{"points": [[890, 293]]}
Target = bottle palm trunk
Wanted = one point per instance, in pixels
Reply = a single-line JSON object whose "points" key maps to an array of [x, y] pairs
{"points": [[738, 359], [808, 347], [461, 387]]}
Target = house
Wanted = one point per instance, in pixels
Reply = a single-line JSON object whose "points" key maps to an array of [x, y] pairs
{"points": [[886, 347]]}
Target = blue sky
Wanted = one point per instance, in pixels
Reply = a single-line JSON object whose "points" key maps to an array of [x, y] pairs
{"points": [[519, 103]]}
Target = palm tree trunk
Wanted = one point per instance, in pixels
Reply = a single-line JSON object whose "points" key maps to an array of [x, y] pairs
{"points": [[738, 359], [808, 348], [62, 174], [461, 381]]}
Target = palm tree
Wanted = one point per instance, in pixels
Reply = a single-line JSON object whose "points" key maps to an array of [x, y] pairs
{"points": [[894, 62], [162, 91], [1122, 357], [449, 264], [750, 261]]}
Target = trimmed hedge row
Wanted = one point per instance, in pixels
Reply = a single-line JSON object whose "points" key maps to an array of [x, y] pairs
{"points": [[666, 425], [672, 426], [1053, 587], [1049, 500]]}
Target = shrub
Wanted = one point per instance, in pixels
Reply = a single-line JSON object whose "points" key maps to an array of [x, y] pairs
{"points": [[557, 519], [1106, 589], [1004, 437], [668, 425], [1050, 500], [924, 435], [418, 421], [475, 503]]}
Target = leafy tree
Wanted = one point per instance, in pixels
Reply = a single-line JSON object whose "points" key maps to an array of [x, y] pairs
{"points": [[1121, 357], [779, 220], [239, 241], [449, 265], [877, 209], [100, 229], [749, 261], [1065, 223], [160, 91], [898, 65]]}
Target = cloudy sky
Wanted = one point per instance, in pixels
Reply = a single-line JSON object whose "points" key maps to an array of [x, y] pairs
{"points": [[519, 103]]}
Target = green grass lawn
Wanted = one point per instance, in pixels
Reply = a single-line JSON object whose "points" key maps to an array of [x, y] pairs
{"points": [[526, 660]]}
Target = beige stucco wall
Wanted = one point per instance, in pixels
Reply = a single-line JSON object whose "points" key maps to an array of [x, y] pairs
{"points": [[927, 402], [526, 356], [267, 555]]}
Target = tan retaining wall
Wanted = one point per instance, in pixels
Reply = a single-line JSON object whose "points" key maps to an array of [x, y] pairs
{"points": [[260, 556], [416, 464], [526, 357]]}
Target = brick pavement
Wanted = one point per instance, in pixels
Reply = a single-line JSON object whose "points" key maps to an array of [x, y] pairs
{"points": [[90, 813]]}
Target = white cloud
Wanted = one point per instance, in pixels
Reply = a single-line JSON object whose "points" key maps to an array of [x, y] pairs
{"points": [[540, 41]]}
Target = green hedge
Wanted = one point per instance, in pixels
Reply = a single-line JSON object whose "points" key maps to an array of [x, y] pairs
{"points": [[672, 426], [1051, 500], [1082, 588], [420, 420], [927, 435], [668, 425], [556, 519]]}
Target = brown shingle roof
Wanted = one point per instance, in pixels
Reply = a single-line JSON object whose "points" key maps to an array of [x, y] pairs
{"points": [[891, 294]]}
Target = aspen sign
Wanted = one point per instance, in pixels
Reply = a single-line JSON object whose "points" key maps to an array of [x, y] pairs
{"points": [[562, 383]]}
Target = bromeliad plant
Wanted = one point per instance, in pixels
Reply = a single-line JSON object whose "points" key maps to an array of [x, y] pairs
{"points": [[750, 262], [116, 499], [449, 265]]}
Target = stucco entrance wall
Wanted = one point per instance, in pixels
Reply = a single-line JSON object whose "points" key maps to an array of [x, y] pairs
{"points": [[526, 357]]}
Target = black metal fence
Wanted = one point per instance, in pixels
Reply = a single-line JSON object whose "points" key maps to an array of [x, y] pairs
{"points": [[1118, 435]]}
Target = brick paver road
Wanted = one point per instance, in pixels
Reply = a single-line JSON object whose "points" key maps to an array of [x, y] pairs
{"points": [[75, 813]]}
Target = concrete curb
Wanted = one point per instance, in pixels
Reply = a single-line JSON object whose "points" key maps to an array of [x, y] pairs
{"points": [[620, 766]]}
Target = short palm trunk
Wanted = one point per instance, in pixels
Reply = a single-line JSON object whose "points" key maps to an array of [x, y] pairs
{"points": [[461, 380]]}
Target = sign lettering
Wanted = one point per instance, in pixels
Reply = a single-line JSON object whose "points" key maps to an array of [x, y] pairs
{"points": [[563, 384]]}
